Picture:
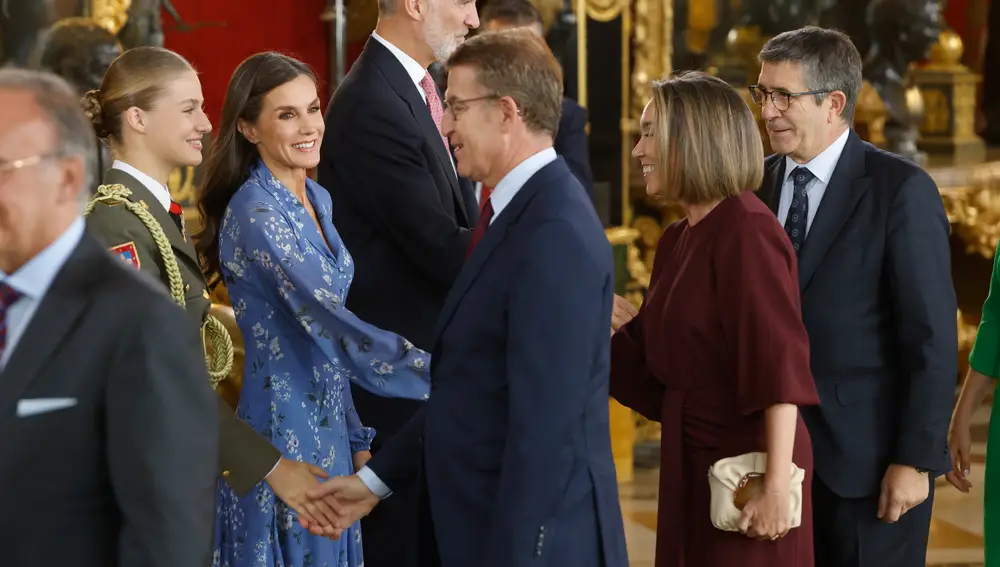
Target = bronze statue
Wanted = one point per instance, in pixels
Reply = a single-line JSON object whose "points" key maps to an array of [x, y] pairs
{"points": [[80, 50], [772, 17], [145, 25], [22, 23], [901, 32]]}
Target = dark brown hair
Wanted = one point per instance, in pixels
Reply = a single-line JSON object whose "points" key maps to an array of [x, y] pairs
{"points": [[513, 12], [708, 143], [136, 78], [517, 63], [232, 157]]}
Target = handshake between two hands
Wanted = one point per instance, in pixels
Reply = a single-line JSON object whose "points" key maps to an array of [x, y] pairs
{"points": [[325, 509]]}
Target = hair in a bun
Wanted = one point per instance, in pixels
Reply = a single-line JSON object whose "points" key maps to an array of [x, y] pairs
{"points": [[92, 108], [136, 78]]}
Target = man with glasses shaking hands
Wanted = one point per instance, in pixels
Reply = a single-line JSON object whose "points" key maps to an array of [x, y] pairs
{"points": [[871, 236], [108, 423]]}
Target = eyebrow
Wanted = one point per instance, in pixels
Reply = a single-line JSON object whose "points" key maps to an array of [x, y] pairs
{"points": [[194, 101], [287, 107]]}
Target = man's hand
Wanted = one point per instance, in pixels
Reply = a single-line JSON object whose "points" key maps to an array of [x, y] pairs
{"points": [[903, 488], [349, 499], [622, 312], [360, 459], [290, 480]]}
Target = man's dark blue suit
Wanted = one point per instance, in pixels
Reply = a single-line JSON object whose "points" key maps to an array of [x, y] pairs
{"points": [[514, 442]]}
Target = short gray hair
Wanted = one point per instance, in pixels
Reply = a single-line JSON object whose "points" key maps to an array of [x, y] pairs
{"points": [[61, 105], [386, 6], [829, 61]]}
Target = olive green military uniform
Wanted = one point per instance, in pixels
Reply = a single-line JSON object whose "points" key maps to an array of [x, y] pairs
{"points": [[245, 457]]}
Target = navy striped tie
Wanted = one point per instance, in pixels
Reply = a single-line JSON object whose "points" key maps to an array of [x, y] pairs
{"points": [[7, 298]]}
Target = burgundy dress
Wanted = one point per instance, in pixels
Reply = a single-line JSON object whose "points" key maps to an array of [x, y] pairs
{"points": [[718, 339]]}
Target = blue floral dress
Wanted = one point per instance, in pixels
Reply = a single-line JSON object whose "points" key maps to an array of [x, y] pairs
{"points": [[302, 346]]}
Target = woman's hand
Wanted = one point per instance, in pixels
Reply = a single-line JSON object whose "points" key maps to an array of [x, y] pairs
{"points": [[622, 312], [960, 446], [360, 458], [766, 515]]}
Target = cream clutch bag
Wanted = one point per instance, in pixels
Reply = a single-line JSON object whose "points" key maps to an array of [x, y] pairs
{"points": [[735, 480]]}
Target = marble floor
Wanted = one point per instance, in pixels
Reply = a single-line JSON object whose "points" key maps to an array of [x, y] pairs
{"points": [[956, 536]]}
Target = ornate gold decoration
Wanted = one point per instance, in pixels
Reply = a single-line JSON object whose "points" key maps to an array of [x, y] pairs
{"points": [[971, 198], [702, 18], [949, 95], [652, 49], [869, 119], [110, 14], [737, 65], [605, 10]]}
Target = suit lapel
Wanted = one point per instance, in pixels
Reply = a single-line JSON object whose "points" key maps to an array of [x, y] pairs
{"points": [[59, 312], [141, 194], [847, 185], [770, 191], [494, 236], [400, 81]]}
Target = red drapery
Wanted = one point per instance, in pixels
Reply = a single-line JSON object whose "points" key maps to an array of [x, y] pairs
{"points": [[291, 27]]}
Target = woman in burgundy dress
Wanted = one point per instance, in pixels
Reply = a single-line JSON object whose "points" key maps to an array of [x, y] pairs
{"points": [[718, 353]]}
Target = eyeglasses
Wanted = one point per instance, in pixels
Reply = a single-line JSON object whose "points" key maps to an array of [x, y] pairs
{"points": [[458, 106], [780, 99], [7, 167]]}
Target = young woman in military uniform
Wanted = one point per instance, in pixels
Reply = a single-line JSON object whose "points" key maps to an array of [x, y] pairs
{"points": [[149, 110]]}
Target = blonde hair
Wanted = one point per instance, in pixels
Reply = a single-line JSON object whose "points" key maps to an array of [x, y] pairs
{"points": [[709, 146], [136, 78]]}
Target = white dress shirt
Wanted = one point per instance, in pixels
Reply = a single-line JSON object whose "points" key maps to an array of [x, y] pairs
{"points": [[511, 183], [502, 195], [161, 192], [415, 70], [32, 281], [821, 167]]}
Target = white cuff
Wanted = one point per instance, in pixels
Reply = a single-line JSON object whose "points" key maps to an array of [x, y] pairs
{"points": [[374, 483], [274, 468]]}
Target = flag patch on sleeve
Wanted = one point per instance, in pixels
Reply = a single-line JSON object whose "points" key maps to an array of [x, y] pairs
{"points": [[127, 253]]}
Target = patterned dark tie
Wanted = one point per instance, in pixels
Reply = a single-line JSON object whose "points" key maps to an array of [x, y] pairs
{"points": [[7, 298], [480, 229], [798, 213]]}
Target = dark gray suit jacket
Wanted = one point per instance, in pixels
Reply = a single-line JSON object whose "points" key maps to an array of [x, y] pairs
{"points": [[879, 305], [126, 476]]}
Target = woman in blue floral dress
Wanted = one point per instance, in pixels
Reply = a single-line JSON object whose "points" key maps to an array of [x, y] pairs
{"points": [[267, 231]]}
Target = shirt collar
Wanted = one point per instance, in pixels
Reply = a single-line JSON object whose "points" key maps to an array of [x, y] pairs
{"points": [[415, 70], [822, 165], [161, 192], [511, 183], [33, 279]]}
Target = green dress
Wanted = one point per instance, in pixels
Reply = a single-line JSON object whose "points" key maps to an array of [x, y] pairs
{"points": [[985, 359]]}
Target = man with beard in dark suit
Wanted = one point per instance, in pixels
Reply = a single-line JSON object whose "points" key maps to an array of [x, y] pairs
{"points": [[401, 209], [108, 424]]}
